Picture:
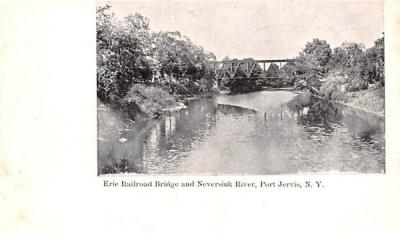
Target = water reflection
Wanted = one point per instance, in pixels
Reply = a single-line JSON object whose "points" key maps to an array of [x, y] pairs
{"points": [[324, 116], [322, 113], [249, 134]]}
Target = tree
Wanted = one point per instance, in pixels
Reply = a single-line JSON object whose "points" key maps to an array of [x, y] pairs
{"points": [[312, 62], [373, 67], [288, 71], [122, 54], [348, 55], [319, 51], [178, 58]]}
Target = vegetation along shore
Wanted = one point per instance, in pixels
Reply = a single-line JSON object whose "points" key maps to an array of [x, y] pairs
{"points": [[142, 73]]}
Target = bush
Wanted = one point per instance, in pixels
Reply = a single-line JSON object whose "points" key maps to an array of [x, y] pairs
{"points": [[151, 93], [357, 84], [244, 85], [147, 100]]}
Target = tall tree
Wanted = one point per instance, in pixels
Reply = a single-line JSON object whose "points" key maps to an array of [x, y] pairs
{"points": [[312, 62], [122, 53], [373, 70], [348, 55]]}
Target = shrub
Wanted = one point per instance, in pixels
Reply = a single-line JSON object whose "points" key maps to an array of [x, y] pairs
{"points": [[148, 100]]}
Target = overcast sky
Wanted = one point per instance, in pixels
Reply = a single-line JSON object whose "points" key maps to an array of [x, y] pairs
{"points": [[261, 29]]}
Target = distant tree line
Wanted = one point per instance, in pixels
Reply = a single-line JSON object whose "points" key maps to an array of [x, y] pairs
{"points": [[360, 67]]}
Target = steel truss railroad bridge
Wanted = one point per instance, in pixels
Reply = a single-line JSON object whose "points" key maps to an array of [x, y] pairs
{"points": [[243, 69]]}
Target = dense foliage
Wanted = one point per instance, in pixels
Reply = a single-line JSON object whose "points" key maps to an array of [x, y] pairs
{"points": [[129, 54], [349, 73], [143, 71], [350, 65]]}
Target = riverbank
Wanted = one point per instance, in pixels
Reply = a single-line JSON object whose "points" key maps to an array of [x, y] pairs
{"points": [[290, 89], [370, 100], [141, 103], [350, 91], [111, 123]]}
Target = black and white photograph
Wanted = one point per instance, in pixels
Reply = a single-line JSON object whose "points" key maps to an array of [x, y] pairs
{"points": [[240, 88], [249, 123]]}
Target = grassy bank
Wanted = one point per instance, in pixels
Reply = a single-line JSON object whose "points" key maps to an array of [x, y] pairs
{"points": [[147, 102], [109, 122], [340, 87], [372, 100]]}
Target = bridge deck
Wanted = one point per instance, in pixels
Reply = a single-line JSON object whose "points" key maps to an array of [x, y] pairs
{"points": [[229, 68], [260, 77], [258, 61]]}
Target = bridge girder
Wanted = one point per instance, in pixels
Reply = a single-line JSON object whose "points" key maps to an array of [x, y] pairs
{"points": [[229, 68]]}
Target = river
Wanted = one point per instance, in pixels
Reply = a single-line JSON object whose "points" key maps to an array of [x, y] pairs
{"points": [[260, 133]]}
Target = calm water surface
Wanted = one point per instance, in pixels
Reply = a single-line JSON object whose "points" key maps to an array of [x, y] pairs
{"points": [[256, 134]]}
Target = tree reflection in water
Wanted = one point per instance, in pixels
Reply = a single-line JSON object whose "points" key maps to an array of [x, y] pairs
{"points": [[225, 135], [321, 114], [121, 166], [323, 117]]}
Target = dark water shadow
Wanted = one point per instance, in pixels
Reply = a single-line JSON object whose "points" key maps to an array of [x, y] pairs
{"points": [[326, 117]]}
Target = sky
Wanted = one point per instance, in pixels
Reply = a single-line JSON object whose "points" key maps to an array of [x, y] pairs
{"points": [[261, 29]]}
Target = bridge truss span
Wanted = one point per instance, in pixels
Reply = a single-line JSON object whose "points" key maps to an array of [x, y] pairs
{"points": [[248, 68]]}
